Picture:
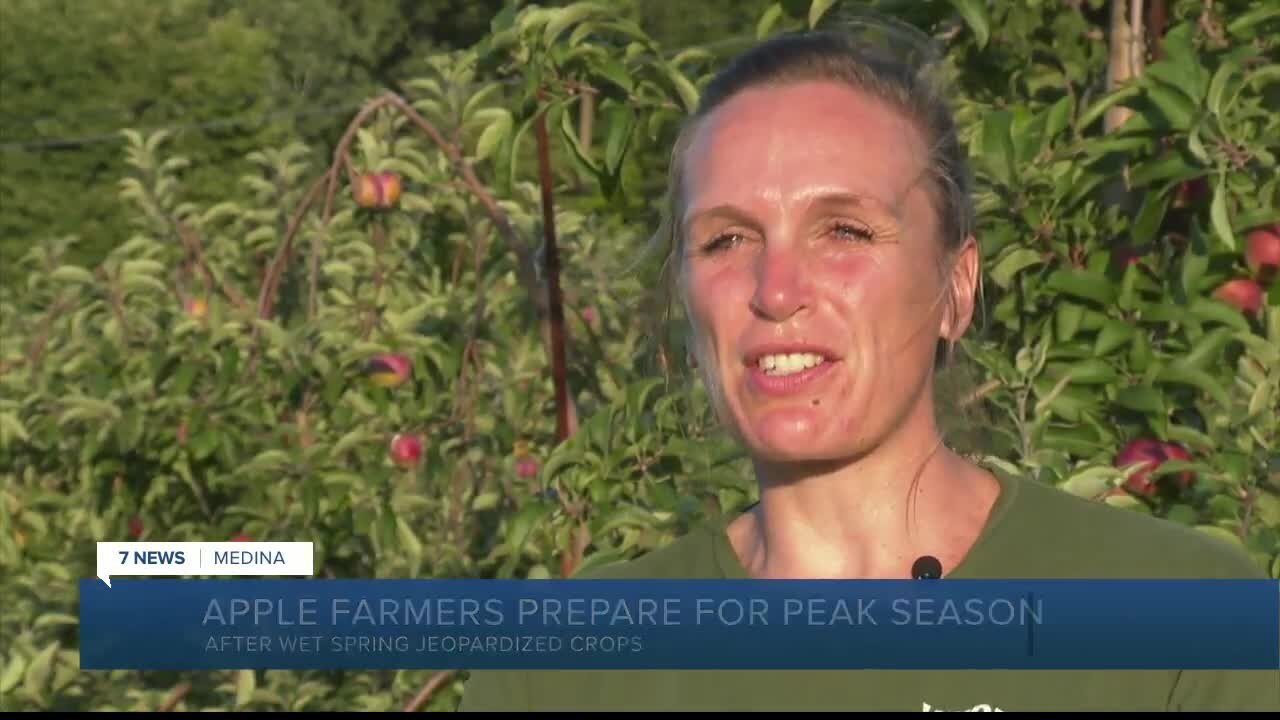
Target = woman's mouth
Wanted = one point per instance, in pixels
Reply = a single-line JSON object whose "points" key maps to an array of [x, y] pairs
{"points": [[781, 374], [779, 364]]}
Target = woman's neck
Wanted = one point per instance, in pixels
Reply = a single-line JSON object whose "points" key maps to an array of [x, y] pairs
{"points": [[869, 518]]}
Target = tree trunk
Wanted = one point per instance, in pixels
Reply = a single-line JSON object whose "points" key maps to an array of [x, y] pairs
{"points": [[586, 119], [1125, 60]]}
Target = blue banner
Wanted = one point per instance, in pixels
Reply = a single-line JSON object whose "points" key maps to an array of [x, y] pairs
{"points": [[168, 624]]}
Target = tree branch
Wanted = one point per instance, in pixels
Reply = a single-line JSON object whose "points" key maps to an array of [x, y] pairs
{"points": [[428, 689], [191, 241], [175, 696]]}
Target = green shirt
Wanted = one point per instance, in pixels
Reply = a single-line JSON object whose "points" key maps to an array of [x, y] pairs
{"points": [[1034, 531]]}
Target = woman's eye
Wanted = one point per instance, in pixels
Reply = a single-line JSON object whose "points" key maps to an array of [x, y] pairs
{"points": [[852, 232], [724, 241]]}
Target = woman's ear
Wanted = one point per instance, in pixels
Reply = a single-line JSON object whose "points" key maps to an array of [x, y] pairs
{"points": [[962, 288]]}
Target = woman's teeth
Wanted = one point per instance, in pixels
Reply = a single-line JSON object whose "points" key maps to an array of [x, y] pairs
{"points": [[786, 364]]}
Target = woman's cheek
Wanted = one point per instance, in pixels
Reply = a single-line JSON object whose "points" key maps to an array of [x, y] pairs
{"points": [[856, 274]]}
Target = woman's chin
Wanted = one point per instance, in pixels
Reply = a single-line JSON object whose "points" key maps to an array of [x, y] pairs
{"points": [[792, 435]]}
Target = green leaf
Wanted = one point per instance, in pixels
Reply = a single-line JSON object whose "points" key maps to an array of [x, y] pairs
{"points": [[478, 99], [493, 135], [277, 335], [205, 442], [1013, 262], [485, 501], [974, 13], [570, 134], [1092, 481], [1244, 21], [615, 72], [1140, 353], [1260, 400], [37, 675], [521, 526], [1142, 398], [1083, 284], [768, 19], [817, 10], [1178, 374], [570, 15], [1171, 165], [349, 441], [387, 531], [997, 145], [1207, 348], [1105, 103], [1113, 335], [688, 94], [407, 537], [1058, 116], [12, 674], [1218, 214], [13, 427], [183, 378], [1128, 297], [73, 273], [622, 120], [1150, 217], [515, 154], [129, 429], [1091, 371], [1176, 107], [246, 682], [1067, 320], [1262, 75], [267, 461], [410, 319], [1194, 266], [1218, 86], [1181, 66], [1221, 534], [55, 618]]}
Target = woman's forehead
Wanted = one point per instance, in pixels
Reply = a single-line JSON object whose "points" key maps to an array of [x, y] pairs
{"points": [[801, 141]]}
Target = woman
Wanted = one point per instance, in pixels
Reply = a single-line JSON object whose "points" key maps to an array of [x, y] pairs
{"points": [[823, 247]]}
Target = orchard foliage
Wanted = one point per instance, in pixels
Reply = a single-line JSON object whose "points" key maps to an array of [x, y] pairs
{"points": [[317, 357]]}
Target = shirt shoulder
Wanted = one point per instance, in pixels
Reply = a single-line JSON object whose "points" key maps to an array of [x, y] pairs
{"points": [[1049, 532]]}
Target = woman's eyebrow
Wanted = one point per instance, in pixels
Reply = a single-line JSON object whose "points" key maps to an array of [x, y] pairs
{"points": [[824, 202], [840, 200], [723, 211]]}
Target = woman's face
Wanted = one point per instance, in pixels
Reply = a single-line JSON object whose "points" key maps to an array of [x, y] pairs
{"points": [[811, 268]]}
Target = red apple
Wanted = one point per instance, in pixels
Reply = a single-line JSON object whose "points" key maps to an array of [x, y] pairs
{"points": [[1242, 293], [406, 449], [1190, 192], [182, 433], [197, 307], [1262, 251], [389, 188], [367, 191], [589, 315], [527, 467], [377, 190], [1174, 451], [241, 537], [135, 526], [388, 369], [1150, 454]]}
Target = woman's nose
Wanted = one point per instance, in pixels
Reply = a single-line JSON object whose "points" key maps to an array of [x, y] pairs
{"points": [[782, 284]]}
